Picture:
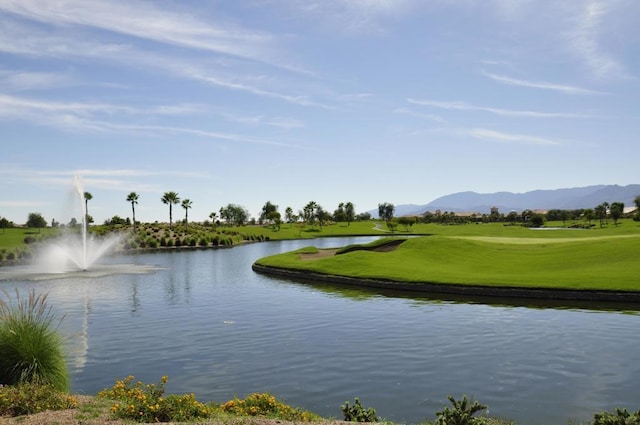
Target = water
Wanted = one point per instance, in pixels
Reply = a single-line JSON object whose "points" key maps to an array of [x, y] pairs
{"points": [[218, 329]]}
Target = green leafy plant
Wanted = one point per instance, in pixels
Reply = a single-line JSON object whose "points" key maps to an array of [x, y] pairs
{"points": [[461, 413], [265, 404], [27, 398], [358, 413], [30, 346], [147, 403], [619, 417]]}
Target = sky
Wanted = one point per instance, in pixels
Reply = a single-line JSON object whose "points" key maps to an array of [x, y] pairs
{"points": [[292, 101]]}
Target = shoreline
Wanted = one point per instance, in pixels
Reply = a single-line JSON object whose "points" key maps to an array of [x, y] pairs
{"points": [[452, 289]]}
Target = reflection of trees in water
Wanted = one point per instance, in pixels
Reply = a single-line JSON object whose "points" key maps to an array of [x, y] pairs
{"points": [[135, 300], [178, 277]]}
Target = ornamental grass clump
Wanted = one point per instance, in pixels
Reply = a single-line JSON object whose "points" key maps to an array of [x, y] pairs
{"points": [[147, 403], [30, 346]]}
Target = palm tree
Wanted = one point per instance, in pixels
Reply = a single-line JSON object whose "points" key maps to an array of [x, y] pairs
{"points": [[213, 216], [170, 198], [349, 212], [186, 204], [87, 197], [133, 198]]}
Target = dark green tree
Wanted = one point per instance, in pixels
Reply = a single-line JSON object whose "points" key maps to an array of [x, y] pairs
{"points": [[349, 212], [616, 210], [4, 223], [267, 209], [309, 213], [170, 198], [289, 215], [186, 204], [36, 221], [637, 202], [234, 214], [601, 212], [385, 211], [133, 198], [87, 197], [537, 220], [339, 215]]}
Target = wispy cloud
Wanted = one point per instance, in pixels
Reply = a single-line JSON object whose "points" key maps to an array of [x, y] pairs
{"points": [[585, 39], [496, 136], [32, 41], [22, 80], [14, 105], [107, 179], [210, 78], [146, 21], [80, 117], [407, 111], [544, 85], [464, 106], [349, 16]]}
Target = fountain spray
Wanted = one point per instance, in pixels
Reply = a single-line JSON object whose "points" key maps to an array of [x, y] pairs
{"points": [[80, 190]]}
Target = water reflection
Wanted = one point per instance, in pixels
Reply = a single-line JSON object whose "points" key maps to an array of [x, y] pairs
{"points": [[220, 330], [420, 298]]}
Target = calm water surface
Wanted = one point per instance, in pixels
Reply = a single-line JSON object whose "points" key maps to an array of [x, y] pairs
{"points": [[216, 328]]}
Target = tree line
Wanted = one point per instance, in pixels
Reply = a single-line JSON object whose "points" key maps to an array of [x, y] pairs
{"points": [[313, 214]]}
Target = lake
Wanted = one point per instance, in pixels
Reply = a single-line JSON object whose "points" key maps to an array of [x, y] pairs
{"points": [[218, 329]]}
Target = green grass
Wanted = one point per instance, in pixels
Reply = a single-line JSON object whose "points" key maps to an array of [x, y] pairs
{"points": [[495, 255]]}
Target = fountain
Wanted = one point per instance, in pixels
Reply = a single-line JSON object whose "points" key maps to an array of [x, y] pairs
{"points": [[70, 253], [73, 254]]}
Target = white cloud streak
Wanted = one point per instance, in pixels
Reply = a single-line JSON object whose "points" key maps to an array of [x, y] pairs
{"points": [[407, 111], [32, 41], [510, 138], [464, 106], [584, 39], [145, 21], [77, 116], [544, 85]]}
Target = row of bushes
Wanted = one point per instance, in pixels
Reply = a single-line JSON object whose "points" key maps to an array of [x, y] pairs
{"points": [[198, 240]]}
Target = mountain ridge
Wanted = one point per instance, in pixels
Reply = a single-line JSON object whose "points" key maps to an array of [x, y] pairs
{"points": [[540, 199]]}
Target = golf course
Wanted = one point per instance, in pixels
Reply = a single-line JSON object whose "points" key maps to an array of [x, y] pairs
{"points": [[549, 262]]}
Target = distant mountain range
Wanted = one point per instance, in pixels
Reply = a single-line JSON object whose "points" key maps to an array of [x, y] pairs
{"points": [[565, 199]]}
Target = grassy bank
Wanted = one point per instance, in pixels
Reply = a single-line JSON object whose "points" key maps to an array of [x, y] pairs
{"points": [[492, 255]]}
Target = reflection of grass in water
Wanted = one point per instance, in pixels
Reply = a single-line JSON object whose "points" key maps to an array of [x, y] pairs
{"points": [[604, 263]]}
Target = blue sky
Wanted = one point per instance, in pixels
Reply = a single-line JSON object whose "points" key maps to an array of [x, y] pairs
{"points": [[292, 101]]}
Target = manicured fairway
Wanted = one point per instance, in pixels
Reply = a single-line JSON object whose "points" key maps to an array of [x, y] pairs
{"points": [[601, 261]]}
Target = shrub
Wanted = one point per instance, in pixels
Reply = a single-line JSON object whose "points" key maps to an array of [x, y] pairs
{"points": [[462, 413], [193, 242], [265, 404], [152, 243], [27, 398], [357, 412], [170, 242], [11, 256], [147, 403], [203, 241], [620, 417], [30, 345]]}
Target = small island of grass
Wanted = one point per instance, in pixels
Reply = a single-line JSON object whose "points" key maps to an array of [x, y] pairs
{"points": [[580, 266]]}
